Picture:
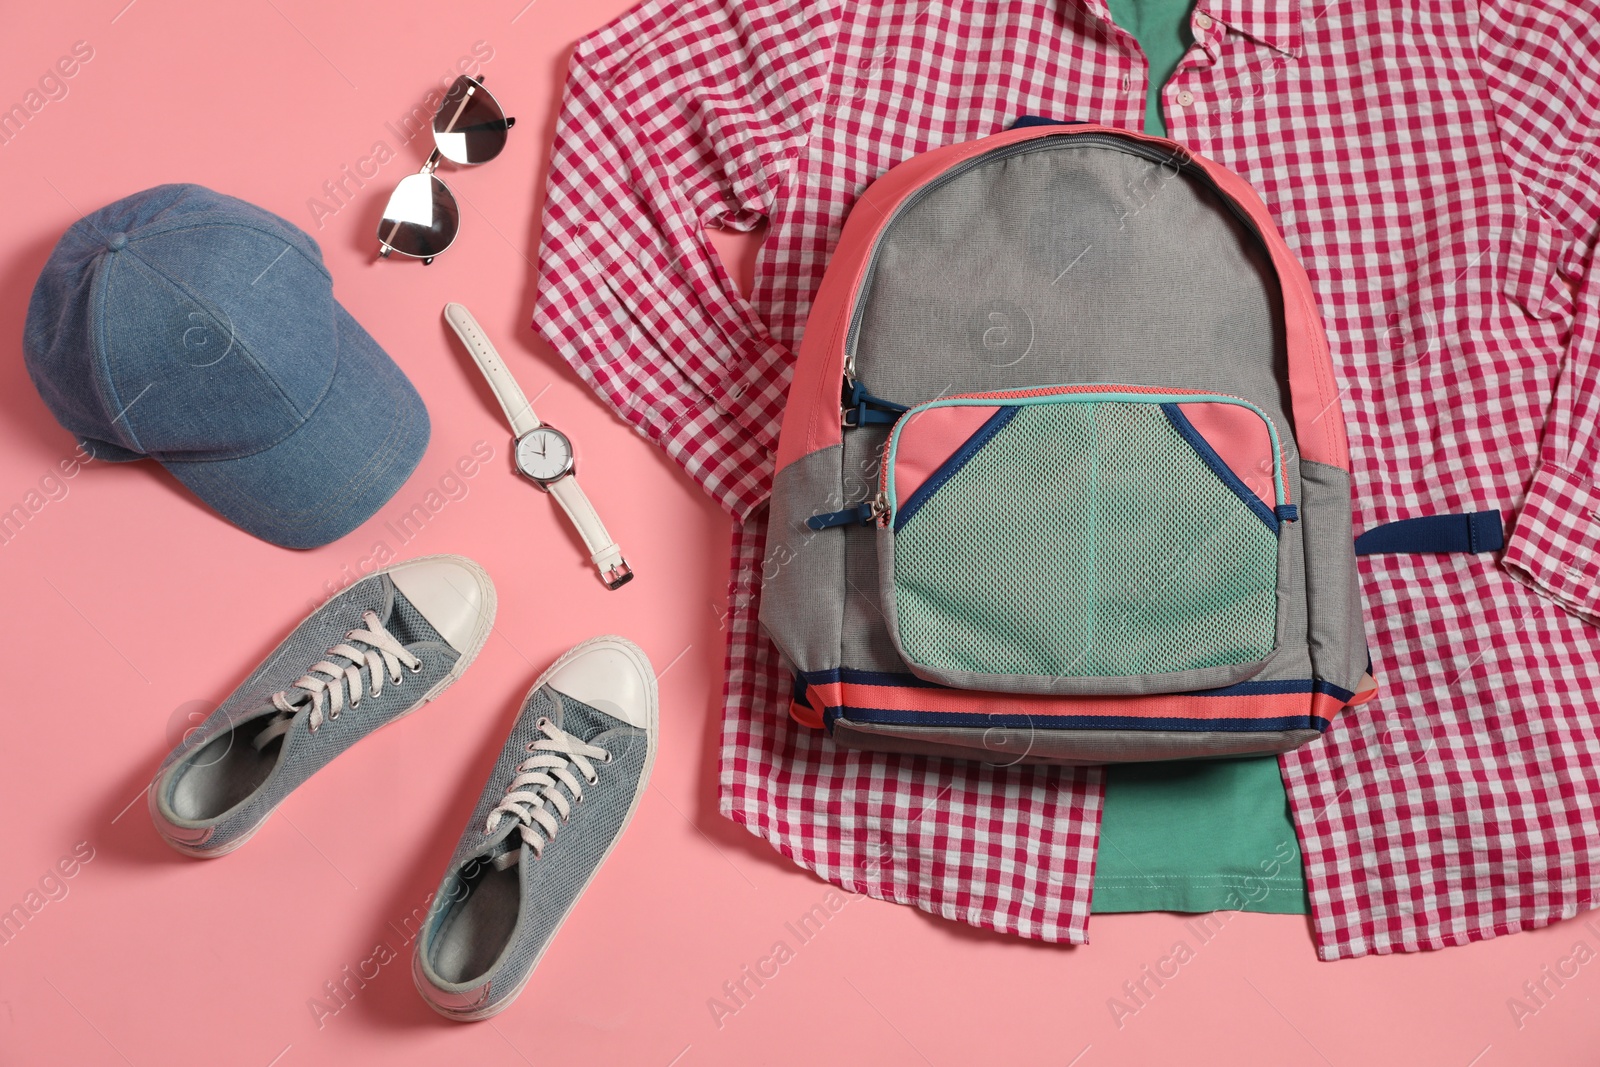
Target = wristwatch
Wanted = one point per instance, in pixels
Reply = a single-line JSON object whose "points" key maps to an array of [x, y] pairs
{"points": [[540, 451]]}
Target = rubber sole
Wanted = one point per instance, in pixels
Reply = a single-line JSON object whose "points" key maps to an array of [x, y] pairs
{"points": [[480, 637], [652, 736]]}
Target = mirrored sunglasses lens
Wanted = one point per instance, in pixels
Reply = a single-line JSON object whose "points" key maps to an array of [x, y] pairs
{"points": [[470, 127], [421, 218]]}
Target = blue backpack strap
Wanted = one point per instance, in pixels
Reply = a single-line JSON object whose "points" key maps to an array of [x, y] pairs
{"points": [[800, 708], [1039, 120], [1472, 531]]}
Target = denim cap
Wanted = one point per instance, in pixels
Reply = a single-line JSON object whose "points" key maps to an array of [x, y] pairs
{"points": [[200, 331]]}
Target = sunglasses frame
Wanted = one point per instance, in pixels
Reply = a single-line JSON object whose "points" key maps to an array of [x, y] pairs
{"points": [[432, 163]]}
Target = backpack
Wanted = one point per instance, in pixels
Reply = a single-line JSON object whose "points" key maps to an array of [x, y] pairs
{"points": [[1063, 474]]}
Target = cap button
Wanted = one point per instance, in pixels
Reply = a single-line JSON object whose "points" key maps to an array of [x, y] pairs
{"points": [[117, 242]]}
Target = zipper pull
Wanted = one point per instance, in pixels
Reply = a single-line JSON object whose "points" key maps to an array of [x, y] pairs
{"points": [[857, 407], [866, 514]]}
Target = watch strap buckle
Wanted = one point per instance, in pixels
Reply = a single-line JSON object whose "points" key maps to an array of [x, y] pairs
{"points": [[617, 575]]}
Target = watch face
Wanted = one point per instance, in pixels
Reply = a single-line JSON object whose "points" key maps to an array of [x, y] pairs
{"points": [[544, 455]]}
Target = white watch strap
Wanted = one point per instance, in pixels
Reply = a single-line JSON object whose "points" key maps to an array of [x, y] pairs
{"points": [[603, 551], [512, 399]]}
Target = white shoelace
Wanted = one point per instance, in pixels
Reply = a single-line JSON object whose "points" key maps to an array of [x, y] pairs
{"points": [[385, 655], [532, 793]]}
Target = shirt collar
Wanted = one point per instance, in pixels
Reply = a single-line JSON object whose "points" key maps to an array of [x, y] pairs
{"points": [[1275, 23]]}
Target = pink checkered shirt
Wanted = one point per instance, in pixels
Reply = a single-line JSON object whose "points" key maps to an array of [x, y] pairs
{"points": [[1432, 167]]}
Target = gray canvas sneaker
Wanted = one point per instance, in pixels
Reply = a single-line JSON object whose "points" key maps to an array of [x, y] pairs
{"points": [[368, 657], [564, 788]]}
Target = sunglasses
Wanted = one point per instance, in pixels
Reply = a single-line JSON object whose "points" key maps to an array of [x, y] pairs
{"points": [[422, 217]]}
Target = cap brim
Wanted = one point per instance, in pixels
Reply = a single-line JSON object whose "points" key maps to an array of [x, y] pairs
{"points": [[332, 474]]}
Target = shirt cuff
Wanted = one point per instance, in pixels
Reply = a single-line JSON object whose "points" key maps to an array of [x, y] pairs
{"points": [[1555, 545]]}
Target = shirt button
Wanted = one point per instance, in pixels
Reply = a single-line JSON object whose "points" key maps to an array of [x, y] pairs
{"points": [[1185, 98], [1202, 22]]}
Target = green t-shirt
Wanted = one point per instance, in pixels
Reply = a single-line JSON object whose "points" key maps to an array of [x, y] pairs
{"points": [[1203, 835]]}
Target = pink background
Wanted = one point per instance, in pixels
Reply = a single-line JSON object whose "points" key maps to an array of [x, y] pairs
{"points": [[129, 608]]}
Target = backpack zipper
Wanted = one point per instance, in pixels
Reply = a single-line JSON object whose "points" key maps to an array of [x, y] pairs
{"points": [[880, 503]]}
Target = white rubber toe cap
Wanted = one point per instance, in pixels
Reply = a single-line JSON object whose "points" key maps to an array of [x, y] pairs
{"points": [[452, 593], [610, 674]]}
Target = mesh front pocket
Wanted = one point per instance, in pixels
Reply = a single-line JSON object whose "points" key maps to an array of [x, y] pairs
{"points": [[1081, 538]]}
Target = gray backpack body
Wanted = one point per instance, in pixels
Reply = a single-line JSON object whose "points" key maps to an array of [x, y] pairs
{"points": [[1063, 474]]}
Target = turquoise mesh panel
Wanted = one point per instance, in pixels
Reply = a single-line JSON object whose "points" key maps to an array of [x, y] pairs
{"points": [[1086, 539]]}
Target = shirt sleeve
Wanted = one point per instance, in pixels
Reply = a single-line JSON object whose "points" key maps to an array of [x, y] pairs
{"points": [[1542, 64], [677, 117]]}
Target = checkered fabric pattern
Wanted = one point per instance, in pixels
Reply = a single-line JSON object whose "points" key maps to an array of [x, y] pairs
{"points": [[1432, 166]]}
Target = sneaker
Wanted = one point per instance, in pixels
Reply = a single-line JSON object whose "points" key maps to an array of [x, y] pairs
{"points": [[564, 788], [370, 656]]}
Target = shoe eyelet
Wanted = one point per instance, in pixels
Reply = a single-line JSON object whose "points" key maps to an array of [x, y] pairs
{"points": [[542, 721], [417, 669], [607, 759], [528, 746], [593, 780]]}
